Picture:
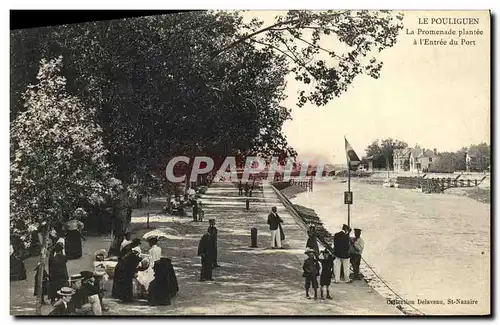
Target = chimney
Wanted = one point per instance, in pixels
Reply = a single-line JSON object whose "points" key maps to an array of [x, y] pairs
{"points": [[435, 152]]}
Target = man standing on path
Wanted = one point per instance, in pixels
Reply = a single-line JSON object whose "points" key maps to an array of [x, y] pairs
{"points": [[357, 245], [341, 252], [205, 251], [274, 221], [212, 230]]}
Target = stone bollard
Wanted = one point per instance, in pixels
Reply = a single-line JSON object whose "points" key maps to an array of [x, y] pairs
{"points": [[253, 237], [247, 204]]}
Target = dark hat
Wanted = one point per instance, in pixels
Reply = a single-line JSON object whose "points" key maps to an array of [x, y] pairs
{"points": [[357, 230], [75, 277], [136, 242], [87, 274]]}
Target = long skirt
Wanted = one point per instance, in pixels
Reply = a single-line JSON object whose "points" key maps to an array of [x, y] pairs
{"points": [[17, 269], [73, 245]]}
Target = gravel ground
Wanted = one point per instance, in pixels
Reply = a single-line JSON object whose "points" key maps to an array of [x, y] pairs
{"points": [[251, 281]]}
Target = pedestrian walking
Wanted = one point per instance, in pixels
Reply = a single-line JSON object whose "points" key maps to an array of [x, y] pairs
{"points": [[247, 188], [311, 271], [341, 253], [207, 254], [195, 211], [325, 278], [212, 230], [312, 240], [357, 246], [274, 221], [58, 272]]}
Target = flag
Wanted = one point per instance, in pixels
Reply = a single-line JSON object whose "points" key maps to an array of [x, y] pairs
{"points": [[353, 160]]}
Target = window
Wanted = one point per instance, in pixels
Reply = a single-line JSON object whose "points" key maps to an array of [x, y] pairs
{"points": [[430, 159]]}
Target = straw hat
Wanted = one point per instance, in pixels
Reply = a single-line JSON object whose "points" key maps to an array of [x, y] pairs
{"points": [[101, 252], [309, 250], [66, 291]]}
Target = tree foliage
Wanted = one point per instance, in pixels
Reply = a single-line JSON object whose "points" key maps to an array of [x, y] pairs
{"points": [[202, 81], [58, 159], [382, 151]]}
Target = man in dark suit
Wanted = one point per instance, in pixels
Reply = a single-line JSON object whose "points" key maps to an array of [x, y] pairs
{"points": [[274, 221], [341, 253], [63, 307]]}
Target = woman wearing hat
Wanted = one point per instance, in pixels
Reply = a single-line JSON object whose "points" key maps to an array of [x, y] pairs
{"points": [[312, 240], [125, 271], [326, 276], [73, 239], [63, 307], [58, 271]]}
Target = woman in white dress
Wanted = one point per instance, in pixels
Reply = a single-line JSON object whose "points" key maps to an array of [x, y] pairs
{"points": [[154, 254]]}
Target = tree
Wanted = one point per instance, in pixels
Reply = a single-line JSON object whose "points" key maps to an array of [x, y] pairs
{"points": [[58, 159], [382, 152], [444, 163], [300, 37], [203, 81]]}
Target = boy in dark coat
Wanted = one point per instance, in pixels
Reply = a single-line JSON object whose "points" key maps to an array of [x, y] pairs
{"points": [[311, 271], [325, 278]]}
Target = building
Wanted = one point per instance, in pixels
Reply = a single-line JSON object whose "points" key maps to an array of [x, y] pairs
{"points": [[421, 159], [401, 159], [476, 161]]}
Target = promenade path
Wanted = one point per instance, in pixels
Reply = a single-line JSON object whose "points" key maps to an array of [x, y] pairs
{"points": [[250, 281]]}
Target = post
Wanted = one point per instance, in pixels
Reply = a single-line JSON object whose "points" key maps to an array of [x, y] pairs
{"points": [[147, 225], [42, 267], [348, 190]]}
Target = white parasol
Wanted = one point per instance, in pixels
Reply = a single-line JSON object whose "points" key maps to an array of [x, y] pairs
{"points": [[155, 234]]}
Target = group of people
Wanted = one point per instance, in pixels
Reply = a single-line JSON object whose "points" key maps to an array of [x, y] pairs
{"points": [[79, 294], [207, 250], [153, 275], [346, 250], [247, 188]]}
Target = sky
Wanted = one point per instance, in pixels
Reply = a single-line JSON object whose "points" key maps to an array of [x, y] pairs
{"points": [[434, 96]]}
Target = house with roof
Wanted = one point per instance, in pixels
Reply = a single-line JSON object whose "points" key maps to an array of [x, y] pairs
{"points": [[476, 161], [401, 159], [421, 159]]}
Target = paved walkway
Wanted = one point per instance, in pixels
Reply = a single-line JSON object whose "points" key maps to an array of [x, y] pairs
{"points": [[251, 281]]}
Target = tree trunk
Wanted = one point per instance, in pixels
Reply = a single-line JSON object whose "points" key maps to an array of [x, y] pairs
{"points": [[147, 226], [43, 263]]}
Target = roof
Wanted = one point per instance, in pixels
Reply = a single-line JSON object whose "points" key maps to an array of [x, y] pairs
{"points": [[417, 152], [402, 152]]}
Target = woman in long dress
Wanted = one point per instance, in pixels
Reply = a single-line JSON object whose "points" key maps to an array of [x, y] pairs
{"points": [[145, 277], [312, 240], [73, 239], [17, 268], [125, 271], [58, 272]]}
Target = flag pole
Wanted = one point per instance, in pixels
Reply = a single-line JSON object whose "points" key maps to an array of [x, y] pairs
{"points": [[348, 190]]}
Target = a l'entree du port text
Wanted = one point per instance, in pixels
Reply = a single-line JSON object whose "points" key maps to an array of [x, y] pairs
{"points": [[446, 31]]}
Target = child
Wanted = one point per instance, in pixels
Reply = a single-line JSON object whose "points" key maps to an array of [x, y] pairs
{"points": [[311, 272], [325, 278]]}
